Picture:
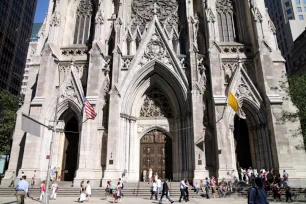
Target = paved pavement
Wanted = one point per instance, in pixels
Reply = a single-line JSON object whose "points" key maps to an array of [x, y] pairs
{"points": [[62, 200]]}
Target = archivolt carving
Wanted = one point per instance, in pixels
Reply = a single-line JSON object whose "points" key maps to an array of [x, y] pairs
{"points": [[144, 10], [155, 105], [56, 19]]}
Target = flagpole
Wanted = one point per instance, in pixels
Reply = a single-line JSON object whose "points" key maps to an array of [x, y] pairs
{"points": [[45, 198]]}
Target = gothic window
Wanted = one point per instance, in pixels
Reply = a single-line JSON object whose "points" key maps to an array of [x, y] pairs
{"points": [[226, 14], [83, 21], [155, 105]]}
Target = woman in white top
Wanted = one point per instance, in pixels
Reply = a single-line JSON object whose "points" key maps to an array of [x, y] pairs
{"points": [[54, 188], [88, 190], [150, 175]]}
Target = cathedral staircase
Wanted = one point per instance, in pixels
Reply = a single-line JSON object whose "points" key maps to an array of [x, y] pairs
{"points": [[142, 190]]}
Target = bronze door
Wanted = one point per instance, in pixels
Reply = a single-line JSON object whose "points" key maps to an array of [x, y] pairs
{"points": [[156, 154]]}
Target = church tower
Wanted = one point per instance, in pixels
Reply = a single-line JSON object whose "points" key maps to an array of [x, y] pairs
{"points": [[158, 73]]}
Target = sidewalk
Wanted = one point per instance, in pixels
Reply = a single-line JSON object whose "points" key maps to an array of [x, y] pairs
{"points": [[62, 200]]}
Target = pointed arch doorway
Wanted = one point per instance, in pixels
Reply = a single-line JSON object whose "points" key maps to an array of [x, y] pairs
{"points": [[156, 154], [71, 150]]}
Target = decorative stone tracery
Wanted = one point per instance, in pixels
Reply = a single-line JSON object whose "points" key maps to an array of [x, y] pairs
{"points": [[155, 105], [144, 10]]}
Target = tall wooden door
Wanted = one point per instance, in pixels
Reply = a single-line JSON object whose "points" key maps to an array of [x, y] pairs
{"points": [[156, 154]]}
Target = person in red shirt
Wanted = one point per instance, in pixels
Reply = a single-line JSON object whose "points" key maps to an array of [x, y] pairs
{"points": [[42, 190]]}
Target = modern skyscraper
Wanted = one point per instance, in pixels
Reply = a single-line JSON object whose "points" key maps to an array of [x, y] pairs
{"points": [[16, 20], [31, 52], [158, 74], [289, 18]]}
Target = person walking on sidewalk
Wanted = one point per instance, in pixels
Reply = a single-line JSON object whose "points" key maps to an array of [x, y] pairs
{"points": [[54, 188], [257, 193], [165, 192], [207, 188], [182, 189], [12, 179], [88, 190], [22, 190], [42, 190], [154, 190], [33, 181]]}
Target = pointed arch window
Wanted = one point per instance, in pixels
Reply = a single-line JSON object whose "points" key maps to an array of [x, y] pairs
{"points": [[227, 24], [83, 21]]}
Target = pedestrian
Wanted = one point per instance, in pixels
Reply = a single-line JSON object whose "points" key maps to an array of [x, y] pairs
{"points": [[42, 190], [82, 189], [288, 194], [33, 181], [144, 175], [117, 196], [88, 190], [285, 175], [111, 189], [54, 174], [187, 190], [154, 190], [255, 173], [257, 193], [82, 195], [150, 175], [182, 189], [107, 189], [207, 188], [54, 189], [12, 179], [196, 188], [59, 174], [159, 186], [22, 190], [276, 191], [213, 187], [165, 192]]}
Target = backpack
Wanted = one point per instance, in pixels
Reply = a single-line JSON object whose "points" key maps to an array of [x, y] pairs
{"points": [[122, 186], [250, 193]]}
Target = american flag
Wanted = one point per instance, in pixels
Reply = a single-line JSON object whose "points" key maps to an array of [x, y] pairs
{"points": [[90, 112]]}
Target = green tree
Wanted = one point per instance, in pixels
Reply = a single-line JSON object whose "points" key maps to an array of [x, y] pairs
{"points": [[8, 107], [297, 92]]}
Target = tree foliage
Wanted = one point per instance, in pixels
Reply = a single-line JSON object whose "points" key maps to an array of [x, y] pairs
{"points": [[8, 106], [297, 92]]}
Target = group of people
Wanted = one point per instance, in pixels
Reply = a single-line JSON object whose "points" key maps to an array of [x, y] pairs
{"points": [[272, 181], [157, 188], [113, 192], [85, 191], [53, 188]]}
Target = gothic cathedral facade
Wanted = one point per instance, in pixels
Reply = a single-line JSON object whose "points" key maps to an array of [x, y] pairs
{"points": [[158, 73]]}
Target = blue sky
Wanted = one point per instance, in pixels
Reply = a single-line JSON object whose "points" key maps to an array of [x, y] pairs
{"points": [[41, 10]]}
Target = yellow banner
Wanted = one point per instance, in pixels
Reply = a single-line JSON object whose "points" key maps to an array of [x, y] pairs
{"points": [[232, 101]]}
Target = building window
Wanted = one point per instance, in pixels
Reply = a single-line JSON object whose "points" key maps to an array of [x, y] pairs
{"points": [[289, 11], [301, 17], [304, 1], [287, 4], [83, 20], [299, 9], [305, 9], [227, 21], [298, 1]]}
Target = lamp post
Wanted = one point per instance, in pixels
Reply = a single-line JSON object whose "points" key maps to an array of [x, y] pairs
{"points": [[46, 196]]}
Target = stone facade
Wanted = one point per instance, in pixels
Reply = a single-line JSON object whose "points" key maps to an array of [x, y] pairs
{"points": [[157, 65]]}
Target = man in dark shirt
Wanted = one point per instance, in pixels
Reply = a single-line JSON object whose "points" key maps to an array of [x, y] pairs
{"points": [[165, 192]]}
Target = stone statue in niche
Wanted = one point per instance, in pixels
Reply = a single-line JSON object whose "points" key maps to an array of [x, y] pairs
{"points": [[196, 25]]}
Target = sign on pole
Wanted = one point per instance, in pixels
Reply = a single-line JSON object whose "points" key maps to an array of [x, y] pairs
{"points": [[31, 125]]}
